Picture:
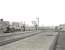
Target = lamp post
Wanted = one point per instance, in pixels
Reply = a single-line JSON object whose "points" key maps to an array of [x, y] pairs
{"points": [[24, 26], [37, 23]]}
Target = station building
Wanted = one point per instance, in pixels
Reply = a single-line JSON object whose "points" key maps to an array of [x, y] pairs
{"points": [[3, 25]]}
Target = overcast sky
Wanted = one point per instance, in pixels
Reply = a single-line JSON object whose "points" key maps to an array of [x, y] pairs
{"points": [[50, 12]]}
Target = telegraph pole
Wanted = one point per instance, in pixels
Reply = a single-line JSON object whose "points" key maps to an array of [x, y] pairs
{"points": [[36, 23]]}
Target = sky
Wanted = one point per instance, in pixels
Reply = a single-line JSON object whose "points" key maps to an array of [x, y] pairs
{"points": [[50, 12]]}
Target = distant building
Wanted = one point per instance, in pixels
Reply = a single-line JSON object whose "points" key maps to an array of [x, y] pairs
{"points": [[15, 25], [61, 27], [3, 25]]}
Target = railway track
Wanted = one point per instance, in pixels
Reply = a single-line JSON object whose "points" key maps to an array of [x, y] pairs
{"points": [[12, 38]]}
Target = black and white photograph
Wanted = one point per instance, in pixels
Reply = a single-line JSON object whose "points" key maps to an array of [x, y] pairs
{"points": [[32, 24]]}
